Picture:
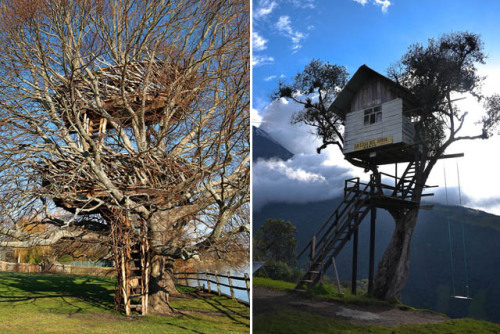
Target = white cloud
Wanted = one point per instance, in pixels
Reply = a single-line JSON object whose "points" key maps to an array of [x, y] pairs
{"points": [[307, 176], [258, 42], [303, 3], [284, 25], [264, 8], [269, 78], [300, 179], [256, 119], [383, 3], [261, 60]]}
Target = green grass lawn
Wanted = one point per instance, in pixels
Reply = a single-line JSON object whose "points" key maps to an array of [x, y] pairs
{"points": [[289, 321], [49, 303]]}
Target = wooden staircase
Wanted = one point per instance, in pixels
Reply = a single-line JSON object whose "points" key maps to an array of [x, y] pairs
{"points": [[405, 185], [327, 243], [359, 199]]}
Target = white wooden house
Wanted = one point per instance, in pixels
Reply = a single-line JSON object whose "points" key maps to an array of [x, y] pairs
{"points": [[378, 129]]}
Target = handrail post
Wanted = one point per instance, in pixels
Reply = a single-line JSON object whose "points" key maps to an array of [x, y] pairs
{"points": [[247, 282], [208, 282], [230, 281], [218, 282], [313, 248]]}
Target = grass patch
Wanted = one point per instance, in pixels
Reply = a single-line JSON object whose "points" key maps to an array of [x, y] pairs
{"points": [[322, 291], [291, 321], [273, 284], [50, 303]]}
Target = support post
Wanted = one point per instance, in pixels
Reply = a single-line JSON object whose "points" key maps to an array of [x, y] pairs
{"points": [[371, 269], [336, 276], [354, 261]]}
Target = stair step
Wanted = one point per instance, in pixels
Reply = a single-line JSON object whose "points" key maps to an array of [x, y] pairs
{"points": [[306, 281], [300, 290], [135, 296]]}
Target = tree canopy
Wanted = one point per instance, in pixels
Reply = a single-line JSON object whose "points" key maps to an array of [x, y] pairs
{"points": [[275, 241]]}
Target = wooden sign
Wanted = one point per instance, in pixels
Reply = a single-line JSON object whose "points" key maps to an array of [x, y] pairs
{"points": [[364, 145]]}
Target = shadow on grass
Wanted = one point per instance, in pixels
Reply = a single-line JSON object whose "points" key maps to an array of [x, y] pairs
{"points": [[97, 292], [221, 305]]}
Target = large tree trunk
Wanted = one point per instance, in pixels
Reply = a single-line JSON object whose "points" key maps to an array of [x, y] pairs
{"points": [[161, 285], [394, 267]]}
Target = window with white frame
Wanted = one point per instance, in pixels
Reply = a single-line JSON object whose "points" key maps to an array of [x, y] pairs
{"points": [[373, 115]]}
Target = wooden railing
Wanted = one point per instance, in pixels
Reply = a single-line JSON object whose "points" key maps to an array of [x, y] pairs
{"points": [[199, 279], [57, 269]]}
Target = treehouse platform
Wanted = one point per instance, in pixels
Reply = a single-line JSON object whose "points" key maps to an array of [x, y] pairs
{"points": [[152, 92]]}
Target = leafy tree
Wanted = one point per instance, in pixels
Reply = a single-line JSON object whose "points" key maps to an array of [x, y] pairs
{"points": [[275, 241], [435, 74], [315, 88]]}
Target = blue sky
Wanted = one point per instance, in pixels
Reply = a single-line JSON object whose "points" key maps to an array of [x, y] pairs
{"points": [[346, 32], [288, 34]]}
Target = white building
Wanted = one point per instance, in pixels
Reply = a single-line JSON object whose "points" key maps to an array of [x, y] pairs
{"points": [[377, 111]]}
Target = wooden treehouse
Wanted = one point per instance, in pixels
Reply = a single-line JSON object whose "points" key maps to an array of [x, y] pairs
{"points": [[378, 131], [124, 97]]}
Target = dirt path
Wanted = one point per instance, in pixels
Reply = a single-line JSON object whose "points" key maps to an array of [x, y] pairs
{"points": [[265, 300]]}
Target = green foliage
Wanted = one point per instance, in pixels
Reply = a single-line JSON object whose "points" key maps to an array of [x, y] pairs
{"points": [[65, 259], [315, 88], [275, 242], [492, 118], [282, 271], [433, 73]]}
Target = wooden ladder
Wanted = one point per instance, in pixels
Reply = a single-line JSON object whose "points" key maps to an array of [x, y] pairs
{"points": [[132, 258]]}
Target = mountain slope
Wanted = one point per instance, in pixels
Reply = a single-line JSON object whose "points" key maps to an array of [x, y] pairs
{"points": [[430, 283], [265, 147]]}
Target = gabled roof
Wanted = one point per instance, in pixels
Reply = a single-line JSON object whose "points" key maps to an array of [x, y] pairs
{"points": [[342, 103]]}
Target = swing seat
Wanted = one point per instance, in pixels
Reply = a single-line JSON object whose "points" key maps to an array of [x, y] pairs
{"points": [[461, 297]]}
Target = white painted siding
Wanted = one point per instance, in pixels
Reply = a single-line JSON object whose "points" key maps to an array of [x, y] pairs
{"points": [[392, 124]]}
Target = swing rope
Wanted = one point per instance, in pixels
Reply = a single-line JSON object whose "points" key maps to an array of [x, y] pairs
{"points": [[449, 236], [463, 237]]}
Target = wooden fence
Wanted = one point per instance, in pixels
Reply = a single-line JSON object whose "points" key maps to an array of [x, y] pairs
{"points": [[198, 280], [56, 269]]}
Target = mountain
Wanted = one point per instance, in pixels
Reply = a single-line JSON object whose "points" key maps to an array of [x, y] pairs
{"points": [[265, 147], [431, 282]]}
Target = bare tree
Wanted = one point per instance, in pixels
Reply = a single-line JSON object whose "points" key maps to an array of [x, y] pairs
{"points": [[131, 115]]}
